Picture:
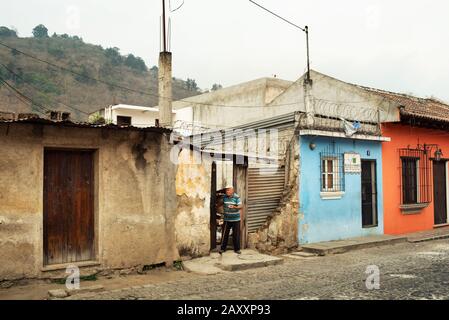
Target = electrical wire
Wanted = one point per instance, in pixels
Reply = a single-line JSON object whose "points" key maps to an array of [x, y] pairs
{"points": [[22, 97], [40, 90], [74, 72], [278, 16], [179, 7], [185, 100]]}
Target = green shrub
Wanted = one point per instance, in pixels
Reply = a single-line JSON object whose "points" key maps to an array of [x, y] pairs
{"points": [[96, 118], [6, 32], [58, 53], [135, 63], [40, 31], [113, 54]]}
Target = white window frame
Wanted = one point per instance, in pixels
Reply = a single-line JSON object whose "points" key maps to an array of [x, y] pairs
{"points": [[336, 186]]}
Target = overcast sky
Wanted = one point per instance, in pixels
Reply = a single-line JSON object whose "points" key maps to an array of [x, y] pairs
{"points": [[398, 45]]}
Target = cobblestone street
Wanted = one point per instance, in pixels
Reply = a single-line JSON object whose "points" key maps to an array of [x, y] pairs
{"points": [[407, 271]]}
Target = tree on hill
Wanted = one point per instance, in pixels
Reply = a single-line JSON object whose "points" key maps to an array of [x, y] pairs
{"points": [[48, 85], [84, 75], [56, 52], [6, 32], [216, 87], [154, 70], [135, 63], [40, 31], [191, 85], [113, 54]]}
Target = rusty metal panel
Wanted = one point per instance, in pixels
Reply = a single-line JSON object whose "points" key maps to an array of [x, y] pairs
{"points": [[265, 188]]}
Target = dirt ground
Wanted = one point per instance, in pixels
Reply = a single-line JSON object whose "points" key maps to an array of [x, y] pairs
{"points": [[38, 289]]}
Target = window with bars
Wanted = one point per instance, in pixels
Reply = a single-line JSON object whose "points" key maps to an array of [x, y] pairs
{"points": [[331, 171], [329, 174], [415, 177], [410, 180]]}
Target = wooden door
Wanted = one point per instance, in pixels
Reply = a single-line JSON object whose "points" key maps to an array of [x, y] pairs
{"points": [[68, 206], [369, 194], [439, 192]]}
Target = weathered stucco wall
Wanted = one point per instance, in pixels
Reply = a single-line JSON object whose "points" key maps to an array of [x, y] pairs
{"points": [[135, 196], [332, 97], [280, 233], [217, 109], [193, 186]]}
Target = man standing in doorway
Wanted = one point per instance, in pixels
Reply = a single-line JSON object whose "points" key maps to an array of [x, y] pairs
{"points": [[232, 206]]}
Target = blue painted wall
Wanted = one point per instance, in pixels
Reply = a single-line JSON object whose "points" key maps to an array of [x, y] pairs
{"points": [[324, 220]]}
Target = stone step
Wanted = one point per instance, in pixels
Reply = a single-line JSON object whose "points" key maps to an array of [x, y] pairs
{"points": [[230, 261], [304, 254], [341, 246]]}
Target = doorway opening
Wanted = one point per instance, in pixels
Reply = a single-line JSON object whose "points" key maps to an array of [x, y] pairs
{"points": [[369, 194], [226, 172], [440, 192]]}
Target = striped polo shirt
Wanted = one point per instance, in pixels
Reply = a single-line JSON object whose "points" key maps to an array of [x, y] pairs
{"points": [[231, 215]]}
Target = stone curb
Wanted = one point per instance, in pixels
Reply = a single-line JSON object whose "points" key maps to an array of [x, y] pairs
{"points": [[425, 239]]}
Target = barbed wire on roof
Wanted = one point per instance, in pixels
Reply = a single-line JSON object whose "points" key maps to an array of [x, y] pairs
{"points": [[366, 114]]}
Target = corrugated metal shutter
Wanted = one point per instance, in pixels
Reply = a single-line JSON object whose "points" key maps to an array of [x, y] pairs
{"points": [[265, 188]]}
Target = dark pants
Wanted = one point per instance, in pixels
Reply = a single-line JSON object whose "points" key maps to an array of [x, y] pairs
{"points": [[227, 226]]}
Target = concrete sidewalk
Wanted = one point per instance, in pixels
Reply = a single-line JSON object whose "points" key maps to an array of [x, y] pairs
{"points": [[435, 234], [341, 246], [230, 261]]}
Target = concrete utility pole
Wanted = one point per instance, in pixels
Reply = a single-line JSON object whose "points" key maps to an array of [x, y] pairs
{"points": [[165, 78]]}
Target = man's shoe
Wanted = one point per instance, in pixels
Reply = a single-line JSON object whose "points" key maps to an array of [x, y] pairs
{"points": [[220, 252], [238, 252]]}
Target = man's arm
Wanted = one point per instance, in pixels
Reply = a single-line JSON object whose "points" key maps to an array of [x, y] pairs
{"points": [[239, 205]]}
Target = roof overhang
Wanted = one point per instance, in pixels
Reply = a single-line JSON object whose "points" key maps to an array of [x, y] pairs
{"points": [[230, 155], [136, 108], [333, 134]]}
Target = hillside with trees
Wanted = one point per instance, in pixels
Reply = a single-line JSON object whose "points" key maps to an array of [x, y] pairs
{"points": [[62, 72]]}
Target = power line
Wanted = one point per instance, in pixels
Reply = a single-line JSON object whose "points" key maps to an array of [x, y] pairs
{"points": [[40, 90], [305, 30], [76, 73], [137, 91], [276, 15], [23, 97], [179, 7]]}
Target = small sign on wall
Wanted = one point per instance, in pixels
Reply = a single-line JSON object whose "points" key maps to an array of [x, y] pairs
{"points": [[353, 163]]}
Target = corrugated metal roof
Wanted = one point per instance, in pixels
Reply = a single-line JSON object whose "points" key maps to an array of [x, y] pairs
{"points": [[208, 138], [35, 119]]}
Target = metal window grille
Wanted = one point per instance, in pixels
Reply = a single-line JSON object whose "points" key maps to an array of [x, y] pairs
{"points": [[332, 177], [415, 169]]}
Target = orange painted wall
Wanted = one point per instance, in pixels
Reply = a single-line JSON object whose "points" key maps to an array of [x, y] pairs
{"points": [[402, 136]]}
